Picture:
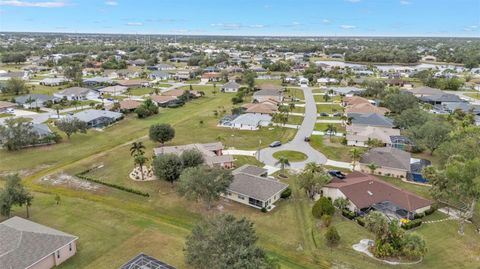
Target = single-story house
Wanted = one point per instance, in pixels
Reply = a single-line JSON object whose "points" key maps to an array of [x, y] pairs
{"points": [[365, 192], [142, 261], [53, 81], [247, 121], [6, 105], [98, 118], [424, 91], [211, 77], [162, 67], [183, 75], [368, 126], [268, 92], [133, 83], [390, 161], [24, 75], [34, 100], [325, 81], [346, 91], [26, 244], [77, 93], [265, 107], [164, 100], [95, 81], [113, 90], [159, 75], [230, 86], [395, 82], [439, 99], [212, 153], [252, 186], [125, 105]]}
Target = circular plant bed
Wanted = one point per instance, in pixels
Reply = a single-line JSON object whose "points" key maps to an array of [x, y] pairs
{"points": [[292, 156]]}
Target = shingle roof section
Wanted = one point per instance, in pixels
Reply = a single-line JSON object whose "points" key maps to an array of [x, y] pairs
{"points": [[23, 242], [371, 119], [256, 187], [387, 157]]}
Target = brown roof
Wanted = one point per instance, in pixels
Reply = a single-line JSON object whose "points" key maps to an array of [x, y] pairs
{"points": [[162, 98], [264, 108], [366, 108], [211, 75], [176, 93], [364, 190], [4, 104], [129, 104], [354, 100]]}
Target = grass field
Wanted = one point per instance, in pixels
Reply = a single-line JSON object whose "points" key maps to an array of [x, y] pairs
{"points": [[329, 108], [139, 91], [333, 150], [475, 95], [295, 93], [296, 120], [260, 82], [321, 98], [323, 126], [113, 225], [292, 156]]}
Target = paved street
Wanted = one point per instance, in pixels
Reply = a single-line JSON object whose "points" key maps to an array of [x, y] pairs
{"points": [[298, 143]]}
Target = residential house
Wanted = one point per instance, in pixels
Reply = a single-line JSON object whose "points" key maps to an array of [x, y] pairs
{"points": [[424, 91], [26, 244], [252, 186], [23, 75], [159, 75], [439, 99], [77, 93], [98, 118], [4, 106], [133, 83], [268, 92], [113, 90], [247, 121], [211, 77], [97, 81], [137, 62], [163, 100], [34, 100], [53, 81], [183, 75], [366, 192], [266, 107], [346, 91], [326, 81], [125, 106], [230, 86], [212, 153], [368, 126], [142, 261], [357, 104], [391, 162], [395, 82]]}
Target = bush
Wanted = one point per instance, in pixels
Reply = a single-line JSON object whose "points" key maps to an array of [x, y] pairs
{"points": [[323, 207], [119, 187], [286, 193], [430, 211], [412, 224], [264, 210], [326, 220], [361, 221], [332, 236], [419, 215], [348, 214]]}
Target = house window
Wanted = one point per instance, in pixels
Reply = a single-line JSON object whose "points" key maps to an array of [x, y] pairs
{"points": [[58, 254], [70, 247]]}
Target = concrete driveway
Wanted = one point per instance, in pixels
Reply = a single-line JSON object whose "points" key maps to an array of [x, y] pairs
{"points": [[298, 143]]}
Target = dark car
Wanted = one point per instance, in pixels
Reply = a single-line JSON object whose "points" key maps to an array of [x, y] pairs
{"points": [[337, 174], [323, 114], [307, 139], [275, 144], [338, 114]]}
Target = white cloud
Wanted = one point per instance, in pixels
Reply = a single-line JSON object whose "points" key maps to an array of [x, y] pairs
{"points": [[404, 2], [111, 3], [470, 28], [18, 3], [348, 26], [296, 23], [326, 21], [134, 23]]}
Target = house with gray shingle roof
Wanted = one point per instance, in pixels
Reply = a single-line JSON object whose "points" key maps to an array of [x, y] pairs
{"points": [[390, 161], [251, 186], [98, 118], [77, 93], [26, 244]]}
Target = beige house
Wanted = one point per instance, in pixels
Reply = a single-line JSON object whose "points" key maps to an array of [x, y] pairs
{"points": [[368, 126], [212, 153], [252, 186], [390, 161], [268, 92], [27, 245], [365, 192]]}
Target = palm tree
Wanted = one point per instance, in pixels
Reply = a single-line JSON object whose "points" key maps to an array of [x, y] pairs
{"points": [[373, 167], [326, 97], [355, 155], [313, 168], [283, 162], [140, 160], [331, 130], [75, 103], [137, 148], [57, 108], [291, 106]]}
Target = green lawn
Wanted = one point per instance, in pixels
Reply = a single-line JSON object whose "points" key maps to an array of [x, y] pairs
{"points": [[294, 92], [323, 126], [260, 82], [296, 120], [292, 156], [329, 108], [333, 150], [320, 98], [475, 95], [140, 91], [299, 109], [4, 115]]}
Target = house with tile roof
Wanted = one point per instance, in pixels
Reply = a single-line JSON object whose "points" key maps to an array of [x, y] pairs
{"points": [[26, 244]]}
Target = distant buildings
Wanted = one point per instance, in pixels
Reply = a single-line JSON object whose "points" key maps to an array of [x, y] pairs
{"points": [[98, 118]]}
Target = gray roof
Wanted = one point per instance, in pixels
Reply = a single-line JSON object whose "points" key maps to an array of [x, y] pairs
{"points": [[41, 129], [142, 261], [36, 97], [446, 97], [387, 157], [268, 92], [231, 85], [76, 91], [256, 187], [250, 169], [347, 90], [371, 119], [425, 91], [92, 114], [24, 242]]}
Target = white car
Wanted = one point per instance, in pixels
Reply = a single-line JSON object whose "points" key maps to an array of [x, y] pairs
{"points": [[10, 111]]}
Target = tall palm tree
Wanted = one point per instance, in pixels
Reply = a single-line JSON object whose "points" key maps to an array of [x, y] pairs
{"points": [[57, 108], [140, 160], [137, 148], [373, 167], [75, 103], [355, 155], [283, 162], [331, 130], [326, 97], [313, 168]]}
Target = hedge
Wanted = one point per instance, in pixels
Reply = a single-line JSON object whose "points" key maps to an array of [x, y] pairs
{"points": [[119, 187], [348, 214], [286, 193], [412, 224], [361, 221]]}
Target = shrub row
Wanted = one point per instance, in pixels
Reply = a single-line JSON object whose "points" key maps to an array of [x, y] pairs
{"points": [[412, 224], [348, 214], [361, 221], [119, 187]]}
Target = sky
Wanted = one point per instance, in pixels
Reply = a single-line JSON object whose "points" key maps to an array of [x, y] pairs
{"points": [[450, 18]]}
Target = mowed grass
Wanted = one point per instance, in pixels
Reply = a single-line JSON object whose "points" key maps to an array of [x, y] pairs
{"points": [[329, 108], [475, 95], [139, 91], [296, 120], [323, 127], [321, 98], [333, 149], [290, 155]]}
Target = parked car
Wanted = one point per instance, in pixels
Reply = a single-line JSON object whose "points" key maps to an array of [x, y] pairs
{"points": [[307, 139], [275, 144], [323, 114], [10, 111], [337, 174], [338, 114]]}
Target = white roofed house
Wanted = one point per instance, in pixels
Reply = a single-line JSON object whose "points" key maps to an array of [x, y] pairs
{"points": [[230, 86], [53, 81], [77, 93], [252, 186], [159, 75], [98, 118], [113, 90], [26, 244]]}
